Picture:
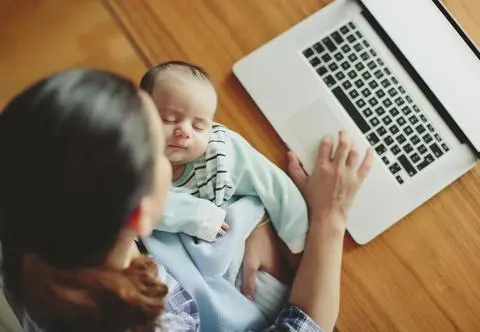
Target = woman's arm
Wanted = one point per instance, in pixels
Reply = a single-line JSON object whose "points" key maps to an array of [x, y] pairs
{"points": [[329, 192]]}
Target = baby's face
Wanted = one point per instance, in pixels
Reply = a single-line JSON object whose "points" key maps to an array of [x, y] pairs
{"points": [[186, 106]]}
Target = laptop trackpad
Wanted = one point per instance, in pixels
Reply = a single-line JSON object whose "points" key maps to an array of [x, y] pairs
{"points": [[306, 128]]}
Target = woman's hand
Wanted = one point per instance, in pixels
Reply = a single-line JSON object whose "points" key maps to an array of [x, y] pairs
{"points": [[330, 189], [262, 252]]}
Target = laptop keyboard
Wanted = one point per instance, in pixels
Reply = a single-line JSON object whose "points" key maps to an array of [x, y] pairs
{"points": [[403, 137]]}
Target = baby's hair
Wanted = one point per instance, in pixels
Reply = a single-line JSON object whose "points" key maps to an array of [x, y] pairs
{"points": [[148, 80]]}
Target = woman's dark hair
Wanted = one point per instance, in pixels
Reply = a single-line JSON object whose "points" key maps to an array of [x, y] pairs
{"points": [[77, 157]]}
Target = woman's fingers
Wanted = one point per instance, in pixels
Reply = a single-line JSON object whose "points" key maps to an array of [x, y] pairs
{"points": [[325, 150], [352, 156], [249, 277], [343, 149], [366, 164], [296, 171]]}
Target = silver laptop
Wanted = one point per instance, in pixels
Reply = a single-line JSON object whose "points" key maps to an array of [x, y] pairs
{"points": [[401, 76]]}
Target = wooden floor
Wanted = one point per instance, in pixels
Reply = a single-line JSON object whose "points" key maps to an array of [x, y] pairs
{"points": [[421, 275]]}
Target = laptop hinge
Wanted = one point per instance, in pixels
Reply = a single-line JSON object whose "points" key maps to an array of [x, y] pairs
{"points": [[429, 94]]}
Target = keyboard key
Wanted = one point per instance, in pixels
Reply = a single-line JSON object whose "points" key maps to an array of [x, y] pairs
{"points": [[415, 139], [406, 110], [423, 118], [387, 120], [352, 74], [315, 61], [381, 131], [401, 89], [333, 66], [329, 81], [347, 85], [344, 29], [389, 140], [366, 92], [322, 71], [392, 92], [308, 53], [427, 161], [401, 139], [387, 103], [407, 165], [430, 127], [373, 53], [380, 94], [359, 83], [381, 149], [319, 48], [360, 66], [359, 34], [366, 43], [420, 129], [380, 110], [385, 83], [422, 149], [346, 48], [401, 121], [326, 57], [345, 65], [338, 56], [415, 107], [436, 150], [387, 71], [409, 99], [399, 179], [445, 147], [351, 39], [351, 25], [394, 129], [427, 138], [408, 130], [374, 122], [378, 74], [373, 138], [365, 56], [366, 75], [373, 84], [408, 148], [353, 57], [394, 111], [380, 62], [413, 119], [394, 80], [367, 112], [329, 44], [396, 150], [353, 94], [373, 101], [395, 168], [361, 103], [358, 47], [415, 157], [340, 76], [351, 110], [385, 160], [399, 101], [372, 65], [438, 138], [337, 37]]}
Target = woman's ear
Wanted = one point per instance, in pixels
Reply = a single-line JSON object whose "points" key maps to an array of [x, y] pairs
{"points": [[139, 221]]}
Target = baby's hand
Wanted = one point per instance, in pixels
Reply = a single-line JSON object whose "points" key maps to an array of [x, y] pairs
{"points": [[223, 229]]}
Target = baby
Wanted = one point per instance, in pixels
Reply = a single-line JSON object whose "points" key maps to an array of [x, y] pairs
{"points": [[212, 165]]}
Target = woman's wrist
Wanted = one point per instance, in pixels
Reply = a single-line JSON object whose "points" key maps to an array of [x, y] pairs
{"points": [[329, 225]]}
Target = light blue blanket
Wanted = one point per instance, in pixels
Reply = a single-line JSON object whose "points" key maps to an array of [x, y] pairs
{"points": [[207, 270]]}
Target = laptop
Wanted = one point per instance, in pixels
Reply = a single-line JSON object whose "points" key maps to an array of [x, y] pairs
{"points": [[401, 76]]}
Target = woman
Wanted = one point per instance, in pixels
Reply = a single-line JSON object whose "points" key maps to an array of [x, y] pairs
{"points": [[83, 174]]}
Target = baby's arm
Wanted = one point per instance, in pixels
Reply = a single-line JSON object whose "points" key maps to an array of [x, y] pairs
{"points": [[194, 216], [255, 175]]}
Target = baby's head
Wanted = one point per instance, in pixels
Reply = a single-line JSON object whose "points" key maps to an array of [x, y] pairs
{"points": [[186, 101]]}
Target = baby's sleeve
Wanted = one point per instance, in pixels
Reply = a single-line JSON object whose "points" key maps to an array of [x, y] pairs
{"points": [[254, 174], [191, 215]]}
